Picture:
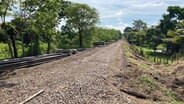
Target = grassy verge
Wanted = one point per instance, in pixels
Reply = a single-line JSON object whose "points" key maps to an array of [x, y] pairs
{"points": [[5, 54]]}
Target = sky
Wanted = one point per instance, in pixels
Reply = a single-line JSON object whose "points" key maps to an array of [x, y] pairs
{"points": [[119, 14]]}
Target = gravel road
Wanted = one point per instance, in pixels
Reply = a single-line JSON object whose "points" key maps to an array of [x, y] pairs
{"points": [[79, 79]]}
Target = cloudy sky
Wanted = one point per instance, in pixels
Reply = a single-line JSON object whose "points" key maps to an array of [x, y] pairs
{"points": [[121, 13]]}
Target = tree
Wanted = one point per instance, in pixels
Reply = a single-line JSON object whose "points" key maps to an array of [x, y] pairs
{"points": [[11, 31], [177, 37], [81, 17], [176, 12], [43, 17], [154, 37], [139, 25], [169, 21], [167, 24], [5, 8], [139, 28], [47, 19], [20, 20], [105, 34], [127, 31], [62, 10]]}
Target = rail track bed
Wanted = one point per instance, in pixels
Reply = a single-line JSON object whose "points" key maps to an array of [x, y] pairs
{"points": [[82, 78]]}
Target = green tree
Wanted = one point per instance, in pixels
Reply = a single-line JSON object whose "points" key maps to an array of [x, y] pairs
{"points": [[20, 20], [47, 20], [105, 34], [81, 17], [139, 25], [154, 37], [5, 10], [11, 32]]}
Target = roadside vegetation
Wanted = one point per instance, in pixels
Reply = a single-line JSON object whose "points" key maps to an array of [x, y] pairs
{"points": [[36, 27], [158, 56], [151, 82], [162, 43], [154, 56]]}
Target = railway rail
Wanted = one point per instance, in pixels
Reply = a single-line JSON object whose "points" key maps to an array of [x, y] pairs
{"points": [[12, 64]]}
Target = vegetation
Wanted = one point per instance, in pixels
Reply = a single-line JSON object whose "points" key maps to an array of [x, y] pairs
{"points": [[148, 80], [33, 29], [168, 34]]}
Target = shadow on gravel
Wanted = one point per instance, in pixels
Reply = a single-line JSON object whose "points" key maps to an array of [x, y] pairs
{"points": [[6, 75], [4, 84]]}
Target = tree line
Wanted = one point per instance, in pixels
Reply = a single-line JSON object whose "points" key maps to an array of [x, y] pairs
{"points": [[168, 34], [33, 29]]}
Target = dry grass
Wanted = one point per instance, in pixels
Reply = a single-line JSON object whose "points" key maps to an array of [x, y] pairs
{"points": [[146, 80]]}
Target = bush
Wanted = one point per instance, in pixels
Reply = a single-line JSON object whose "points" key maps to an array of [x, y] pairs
{"points": [[43, 48], [4, 51]]}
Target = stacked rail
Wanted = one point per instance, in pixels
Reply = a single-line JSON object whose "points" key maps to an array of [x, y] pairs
{"points": [[12, 64]]}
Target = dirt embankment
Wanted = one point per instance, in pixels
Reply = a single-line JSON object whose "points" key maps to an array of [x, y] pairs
{"points": [[148, 81]]}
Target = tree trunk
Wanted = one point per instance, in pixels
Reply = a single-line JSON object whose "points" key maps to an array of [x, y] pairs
{"points": [[5, 30], [10, 49], [14, 46], [49, 43], [154, 55], [9, 43], [80, 39], [37, 45], [32, 51], [22, 41], [155, 48], [49, 46]]}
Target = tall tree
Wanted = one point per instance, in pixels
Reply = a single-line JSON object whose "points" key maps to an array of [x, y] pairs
{"points": [[20, 21], [5, 9], [81, 17], [47, 18], [139, 25], [154, 37], [11, 32]]}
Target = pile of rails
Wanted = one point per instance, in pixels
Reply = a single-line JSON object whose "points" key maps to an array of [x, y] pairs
{"points": [[12, 64]]}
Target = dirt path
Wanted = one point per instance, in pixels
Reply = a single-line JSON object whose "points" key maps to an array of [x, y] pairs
{"points": [[82, 78]]}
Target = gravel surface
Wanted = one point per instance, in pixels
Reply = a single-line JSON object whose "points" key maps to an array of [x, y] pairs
{"points": [[79, 79]]}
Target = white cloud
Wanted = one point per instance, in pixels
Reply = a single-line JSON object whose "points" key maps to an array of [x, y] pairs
{"points": [[118, 27], [120, 23], [118, 13], [121, 28]]}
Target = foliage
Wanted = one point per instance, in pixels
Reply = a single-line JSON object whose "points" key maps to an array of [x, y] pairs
{"points": [[106, 35], [33, 29], [169, 32], [4, 51], [81, 18]]}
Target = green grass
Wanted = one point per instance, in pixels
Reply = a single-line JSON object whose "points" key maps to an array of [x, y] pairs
{"points": [[173, 99], [157, 57], [5, 54], [148, 81]]}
